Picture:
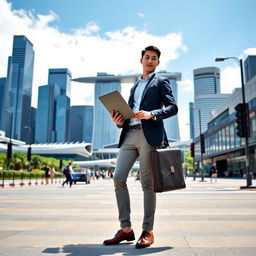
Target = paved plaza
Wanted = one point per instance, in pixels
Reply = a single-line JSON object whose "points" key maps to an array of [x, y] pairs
{"points": [[204, 219]]}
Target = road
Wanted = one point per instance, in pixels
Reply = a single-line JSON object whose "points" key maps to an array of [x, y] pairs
{"points": [[205, 219]]}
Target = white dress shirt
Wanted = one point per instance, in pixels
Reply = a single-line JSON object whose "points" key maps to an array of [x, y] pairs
{"points": [[137, 97]]}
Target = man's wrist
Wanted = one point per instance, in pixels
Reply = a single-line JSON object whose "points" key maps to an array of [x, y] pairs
{"points": [[153, 116]]}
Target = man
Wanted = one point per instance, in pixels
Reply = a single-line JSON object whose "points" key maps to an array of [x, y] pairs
{"points": [[152, 101], [68, 173]]}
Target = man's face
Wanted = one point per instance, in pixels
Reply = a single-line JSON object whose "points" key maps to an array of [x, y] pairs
{"points": [[149, 62]]}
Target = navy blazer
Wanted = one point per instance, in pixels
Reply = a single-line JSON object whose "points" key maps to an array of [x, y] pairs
{"points": [[157, 98]]}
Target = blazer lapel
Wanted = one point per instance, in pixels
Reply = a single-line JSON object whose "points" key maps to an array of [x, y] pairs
{"points": [[147, 86], [131, 98]]}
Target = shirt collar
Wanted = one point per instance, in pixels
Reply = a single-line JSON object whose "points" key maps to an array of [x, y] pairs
{"points": [[148, 77]]}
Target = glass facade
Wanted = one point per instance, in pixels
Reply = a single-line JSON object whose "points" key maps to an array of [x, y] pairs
{"points": [[224, 147], [171, 124], [53, 113], [2, 92], [45, 129], [105, 130], [81, 123], [207, 96], [19, 88], [250, 67]]}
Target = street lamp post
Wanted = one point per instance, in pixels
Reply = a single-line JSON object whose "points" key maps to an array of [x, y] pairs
{"points": [[9, 145], [248, 173], [29, 148]]}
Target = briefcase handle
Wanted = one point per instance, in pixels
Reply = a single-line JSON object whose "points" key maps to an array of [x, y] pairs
{"points": [[164, 144]]}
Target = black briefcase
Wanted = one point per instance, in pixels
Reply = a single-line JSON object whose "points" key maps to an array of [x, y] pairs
{"points": [[167, 170]]}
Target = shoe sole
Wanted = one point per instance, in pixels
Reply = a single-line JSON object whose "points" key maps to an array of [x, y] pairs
{"points": [[128, 240]]}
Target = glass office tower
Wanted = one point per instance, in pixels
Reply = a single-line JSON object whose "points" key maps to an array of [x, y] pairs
{"points": [[17, 107], [250, 67], [81, 123], [2, 92], [61, 77], [45, 131], [207, 96], [172, 124], [53, 113], [105, 130]]}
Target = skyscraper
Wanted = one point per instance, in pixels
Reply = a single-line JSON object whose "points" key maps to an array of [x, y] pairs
{"points": [[53, 113], [62, 77], [17, 105], [207, 96], [250, 67], [2, 92], [81, 123], [105, 130], [45, 129], [172, 124]]}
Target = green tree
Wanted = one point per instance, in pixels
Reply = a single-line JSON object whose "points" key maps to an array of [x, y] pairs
{"points": [[3, 161], [189, 162], [19, 161], [37, 162]]}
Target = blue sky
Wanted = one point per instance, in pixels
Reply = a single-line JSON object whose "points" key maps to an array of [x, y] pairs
{"points": [[107, 35]]}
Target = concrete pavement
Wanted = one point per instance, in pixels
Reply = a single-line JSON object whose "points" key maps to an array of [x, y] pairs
{"points": [[204, 219]]}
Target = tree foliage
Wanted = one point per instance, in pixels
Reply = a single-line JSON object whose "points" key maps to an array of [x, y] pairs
{"points": [[19, 161]]}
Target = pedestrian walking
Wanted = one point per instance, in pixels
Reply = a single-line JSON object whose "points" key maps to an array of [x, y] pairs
{"points": [[46, 170], [52, 174], [68, 174], [152, 101], [213, 173]]}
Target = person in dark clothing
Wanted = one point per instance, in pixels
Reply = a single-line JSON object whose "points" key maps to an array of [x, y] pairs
{"points": [[68, 174], [46, 173]]}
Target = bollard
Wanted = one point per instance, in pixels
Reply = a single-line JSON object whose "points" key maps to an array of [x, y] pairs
{"points": [[21, 179], [42, 182], [36, 183], [29, 183], [13, 177], [2, 185]]}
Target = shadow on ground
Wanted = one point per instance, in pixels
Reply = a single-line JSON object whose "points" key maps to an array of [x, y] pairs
{"points": [[127, 249]]}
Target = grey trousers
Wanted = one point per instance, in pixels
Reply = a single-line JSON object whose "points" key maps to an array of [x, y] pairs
{"points": [[134, 146]]}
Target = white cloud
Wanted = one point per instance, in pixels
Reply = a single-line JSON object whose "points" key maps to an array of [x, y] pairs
{"points": [[230, 79], [140, 14], [186, 86], [250, 51], [84, 51]]}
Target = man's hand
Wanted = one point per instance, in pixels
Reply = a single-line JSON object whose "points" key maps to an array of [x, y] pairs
{"points": [[117, 118], [143, 114]]}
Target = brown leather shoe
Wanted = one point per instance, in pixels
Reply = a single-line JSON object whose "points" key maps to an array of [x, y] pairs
{"points": [[119, 237], [145, 240]]}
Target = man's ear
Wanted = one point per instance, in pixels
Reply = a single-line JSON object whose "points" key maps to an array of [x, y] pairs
{"points": [[158, 63], [141, 60]]}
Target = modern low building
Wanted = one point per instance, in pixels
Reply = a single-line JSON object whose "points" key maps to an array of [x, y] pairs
{"points": [[222, 145]]}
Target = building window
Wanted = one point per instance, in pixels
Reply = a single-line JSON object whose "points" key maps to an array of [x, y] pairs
{"points": [[227, 138], [232, 135]]}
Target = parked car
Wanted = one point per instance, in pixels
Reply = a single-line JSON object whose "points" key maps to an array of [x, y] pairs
{"points": [[80, 175]]}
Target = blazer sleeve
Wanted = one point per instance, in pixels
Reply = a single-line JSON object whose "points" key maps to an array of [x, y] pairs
{"points": [[170, 108]]}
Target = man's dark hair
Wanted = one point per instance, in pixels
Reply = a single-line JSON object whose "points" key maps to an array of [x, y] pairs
{"points": [[153, 49]]}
